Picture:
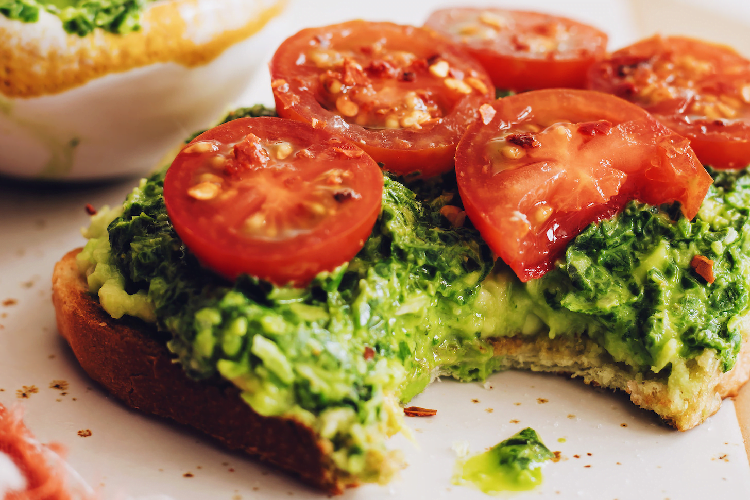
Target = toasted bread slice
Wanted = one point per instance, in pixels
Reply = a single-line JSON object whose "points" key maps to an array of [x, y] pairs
{"points": [[584, 358], [125, 357]]}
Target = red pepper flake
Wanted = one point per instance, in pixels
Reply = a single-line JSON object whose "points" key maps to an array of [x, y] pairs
{"points": [[90, 209], [416, 411], [474, 400], [188, 474], [10, 302], [524, 140], [704, 267], [84, 433], [514, 421], [558, 456], [369, 353], [541, 401]]}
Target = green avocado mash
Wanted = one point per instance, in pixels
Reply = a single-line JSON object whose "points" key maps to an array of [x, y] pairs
{"points": [[425, 299], [81, 17], [513, 465]]}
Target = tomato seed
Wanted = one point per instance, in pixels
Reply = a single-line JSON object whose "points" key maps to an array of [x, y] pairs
{"points": [[459, 86], [392, 122], [283, 150], [347, 107], [204, 191], [727, 111], [542, 213], [440, 69], [512, 152], [493, 20], [334, 86], [469, 29], [200, 147], [477, 84]]}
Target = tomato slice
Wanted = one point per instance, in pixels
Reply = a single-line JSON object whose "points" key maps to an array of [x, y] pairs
{"points": [[524, 50], [701, 90], [403, 94], [541, 166], [272, 198]]}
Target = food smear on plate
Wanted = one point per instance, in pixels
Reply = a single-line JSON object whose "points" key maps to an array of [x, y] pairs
{"points": [[401, 93], [30, 470], [700, 90], [523, 50], [512, 465]]}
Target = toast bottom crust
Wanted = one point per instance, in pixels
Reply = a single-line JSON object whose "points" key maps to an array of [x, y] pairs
{"points": [[582, 357], [131, 364], [136, 368]]}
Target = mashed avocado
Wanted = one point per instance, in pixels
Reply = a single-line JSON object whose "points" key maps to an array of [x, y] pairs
{"points": [[513, 465], [81, 17], [421, 299]]}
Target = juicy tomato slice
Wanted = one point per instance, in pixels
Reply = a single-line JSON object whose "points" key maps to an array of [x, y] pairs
{"points": [[539, 167], [272, 198], [700, 90], [403, 94], [524, 50]]}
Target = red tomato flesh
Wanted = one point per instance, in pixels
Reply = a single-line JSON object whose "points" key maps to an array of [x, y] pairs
{"points": [[524, 50], [272, 198], [700, 90], [403, 94], [541, 166]]}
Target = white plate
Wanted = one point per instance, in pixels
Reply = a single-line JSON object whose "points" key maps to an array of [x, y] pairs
{"points": [[132, 455]]}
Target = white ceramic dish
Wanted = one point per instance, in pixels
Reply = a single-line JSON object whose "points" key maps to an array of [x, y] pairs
{"points": [[129, 455], [126, 121]]}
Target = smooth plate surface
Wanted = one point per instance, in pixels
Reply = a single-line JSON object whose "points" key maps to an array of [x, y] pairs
{"points": [[609, 449]]}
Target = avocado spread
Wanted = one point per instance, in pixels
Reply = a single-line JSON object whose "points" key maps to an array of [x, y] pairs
{"points": [[422, 299], [81, 17], [513, 465]]}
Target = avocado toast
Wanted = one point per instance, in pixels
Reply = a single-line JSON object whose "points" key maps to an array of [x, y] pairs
{"points": [[332, 361]]}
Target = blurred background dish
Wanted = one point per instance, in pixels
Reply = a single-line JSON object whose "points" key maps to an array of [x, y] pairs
{"points": [[95, 95]]}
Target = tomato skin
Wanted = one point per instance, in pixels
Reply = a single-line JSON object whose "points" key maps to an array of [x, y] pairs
{"points": [[427, 150], [293, 238], [496, 38], [700, 90], [547, 163]]}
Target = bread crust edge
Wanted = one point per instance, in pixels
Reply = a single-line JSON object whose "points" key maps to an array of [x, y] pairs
{"points": [[131, 364]]}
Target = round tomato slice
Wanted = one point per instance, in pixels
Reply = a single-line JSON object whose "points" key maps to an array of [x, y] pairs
{"points": [[272, 198], [700, 90], [524, 50], [541, 166], [403, 94]]}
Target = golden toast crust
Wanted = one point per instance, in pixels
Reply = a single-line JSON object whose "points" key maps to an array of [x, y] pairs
{"points": [[127, 360]]}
